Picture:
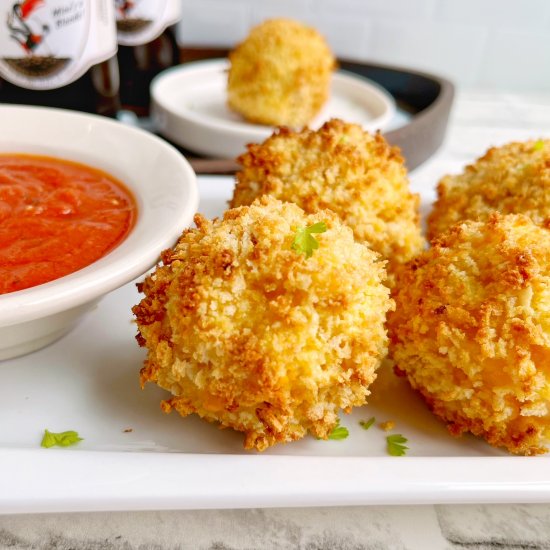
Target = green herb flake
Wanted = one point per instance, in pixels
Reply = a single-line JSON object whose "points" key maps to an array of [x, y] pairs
{"points": [[304, 242], [366, 425], [340, 432], [62, 439], [538, 145], [396, 445]]}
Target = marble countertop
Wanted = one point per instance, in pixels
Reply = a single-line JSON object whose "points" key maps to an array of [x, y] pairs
{"points": [[479, 120], [360, 528]]}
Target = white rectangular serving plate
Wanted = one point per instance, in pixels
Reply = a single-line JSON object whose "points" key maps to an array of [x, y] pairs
{"points": [[89, 381]]}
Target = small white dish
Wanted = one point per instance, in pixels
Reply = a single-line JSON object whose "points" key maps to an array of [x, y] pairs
{"points": [[189, 107], [164, 187]]}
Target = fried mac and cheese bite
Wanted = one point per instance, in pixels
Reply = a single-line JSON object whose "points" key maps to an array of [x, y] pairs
{"points": [[268, 321], [512, 179], [356, 174], [471, 330], [281, 74]]}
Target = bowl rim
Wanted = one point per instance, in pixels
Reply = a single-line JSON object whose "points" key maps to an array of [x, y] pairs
{"points": [[126, 261]]}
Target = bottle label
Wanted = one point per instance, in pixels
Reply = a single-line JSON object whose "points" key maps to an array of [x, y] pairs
{"points": [[46, 44], [141, 21]]}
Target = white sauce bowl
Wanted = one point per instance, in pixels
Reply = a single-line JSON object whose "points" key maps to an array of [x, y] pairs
{"points": [[164, 187]]}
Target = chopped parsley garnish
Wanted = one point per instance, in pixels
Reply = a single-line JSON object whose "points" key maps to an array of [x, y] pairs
{"points": [[396, 445], [538, 145], [304, 242], [366, 425], [340, 432], [62, 439]]}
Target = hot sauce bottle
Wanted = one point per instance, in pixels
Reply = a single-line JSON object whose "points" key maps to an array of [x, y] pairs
{"points": [[59, 53], [147, 45]]}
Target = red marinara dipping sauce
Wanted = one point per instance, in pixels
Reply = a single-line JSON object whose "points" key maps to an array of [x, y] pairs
{"points": [[56, 217]]}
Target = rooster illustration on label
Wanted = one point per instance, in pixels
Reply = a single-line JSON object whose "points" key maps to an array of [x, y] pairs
{"points": [[128, 18], [27, 28]]}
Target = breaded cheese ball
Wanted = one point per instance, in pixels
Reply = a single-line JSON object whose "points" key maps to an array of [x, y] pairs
{"points": [[354, 173], [513, 179], [471, 330], [280, 75], [246, 331]]}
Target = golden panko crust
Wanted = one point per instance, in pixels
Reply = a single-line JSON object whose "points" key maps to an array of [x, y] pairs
{"points": [[471, 330], [244, 331], [280, 75], [513, 179], [343, 168]]}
